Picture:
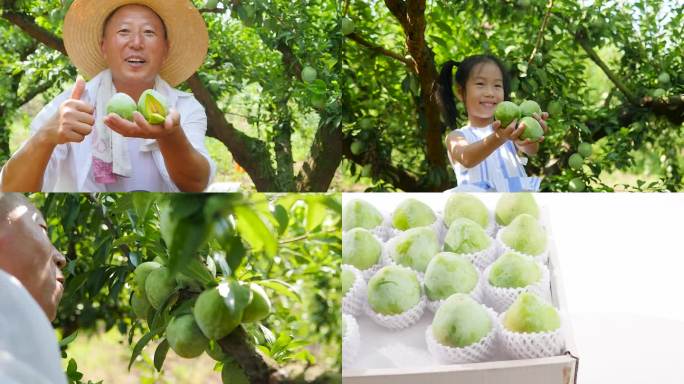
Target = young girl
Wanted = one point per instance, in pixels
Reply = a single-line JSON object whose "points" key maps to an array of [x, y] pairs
{"points": [[484, 154]]}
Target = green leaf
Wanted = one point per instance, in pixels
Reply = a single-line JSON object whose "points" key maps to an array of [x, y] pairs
{"points": [[67, 340], [254, 231], [237, 296], [315, 214], [139, 347], [282, 288], [189, 235], [160, 354], [196, 270], [280, 214], [142, 201]]}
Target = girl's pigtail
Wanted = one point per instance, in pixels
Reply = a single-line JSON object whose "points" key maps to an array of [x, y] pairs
{"points": [[445, 93]]}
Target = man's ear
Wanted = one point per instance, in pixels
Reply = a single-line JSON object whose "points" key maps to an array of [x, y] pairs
{"points": [[102, 50]]}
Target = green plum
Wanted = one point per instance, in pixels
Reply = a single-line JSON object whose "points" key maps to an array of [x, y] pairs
{"points": [[360, 214], [525, 234], [449, 273], [533, 130], [309, 74], [122, 105], [530, 314], [465, 236], [468, 206], [393, 290], [576, 161], [412, 213], [584, 149], [529, 107], [348, 280], [461, 321], [511, 205], [347, 26], [576, 185], [506, 112], [360, 248], [513, 270], [414, 248]]}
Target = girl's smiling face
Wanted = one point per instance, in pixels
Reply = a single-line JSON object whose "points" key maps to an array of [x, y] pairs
{"points": [[484, 90]]}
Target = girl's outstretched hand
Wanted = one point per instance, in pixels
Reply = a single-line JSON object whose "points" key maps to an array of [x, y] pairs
{"points": [[508, 133]]}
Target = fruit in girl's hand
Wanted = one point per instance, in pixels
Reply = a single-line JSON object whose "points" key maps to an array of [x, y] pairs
{"points": [[185, 337], [414, 248], [530, 314], [584, 149], [309, 74], [533, 129], [513, 270], [449, 273], [360, 248], [465, 236], [152, 105], [412, 213], [510, 205], [576, 185], [348, 280], [529, 107], [575, 161], [122, 105], [393, 290], [460, 321], [360, 214], [468, 206], [347, 26], [506, 112], [524, 234]]}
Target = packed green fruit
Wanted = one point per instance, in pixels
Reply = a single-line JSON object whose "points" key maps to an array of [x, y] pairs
{"points": [[530, 314], [524, 234], [360, 248], [584, 149], [348, 280], [415, 248], [465, 236], [506, 112], [393, 290], [412, 213], [347, 26], [576, 161], [153, 106], [576, 185], [360, 214], [529, 107], [511, 205], [513, 270], [213, 316], [185, 337], [461, 321], [309, 74], [533, 130], [158, 286], [123, 105], [467, 206], [259, 307], [449, 273]]}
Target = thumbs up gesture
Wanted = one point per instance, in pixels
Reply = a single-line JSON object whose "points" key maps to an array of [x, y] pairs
{"points": [[75, 118]]}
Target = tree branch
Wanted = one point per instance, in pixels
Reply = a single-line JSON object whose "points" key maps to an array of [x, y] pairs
{"points": [[541, 32], [26, 24], [378, 49]]}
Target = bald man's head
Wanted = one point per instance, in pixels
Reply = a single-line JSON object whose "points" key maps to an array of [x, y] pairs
{"points": [[27, 253]]}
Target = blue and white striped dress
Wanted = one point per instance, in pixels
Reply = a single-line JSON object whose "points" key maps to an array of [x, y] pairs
{"points": [[502, 171]]}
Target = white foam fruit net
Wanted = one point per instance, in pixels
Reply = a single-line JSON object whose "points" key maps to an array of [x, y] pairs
{"points": [[353, 301], [502, 298], [485, 257], [531, 345], [400, 321], [483, 350], [351, 342]]}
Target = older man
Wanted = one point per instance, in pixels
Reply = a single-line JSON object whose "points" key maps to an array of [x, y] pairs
{"points": [[30, 290], [127, 46]]}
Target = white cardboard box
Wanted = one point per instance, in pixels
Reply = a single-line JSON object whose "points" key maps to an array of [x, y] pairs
{"points": [[410, 362]]}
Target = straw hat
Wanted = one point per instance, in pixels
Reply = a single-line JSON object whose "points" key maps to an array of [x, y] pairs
{"points": [[185, 28]]}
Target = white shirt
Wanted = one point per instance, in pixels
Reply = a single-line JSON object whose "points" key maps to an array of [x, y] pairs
{"points": [[69, 168], [29, 352]]}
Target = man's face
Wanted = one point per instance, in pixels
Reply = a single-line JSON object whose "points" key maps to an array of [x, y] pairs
{"points": [[134, 44], [27, 253]]}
